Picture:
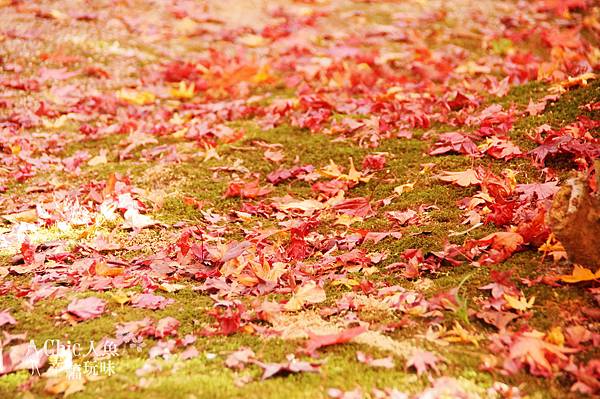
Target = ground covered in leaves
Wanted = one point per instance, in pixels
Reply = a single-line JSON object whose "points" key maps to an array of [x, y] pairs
{"points": [[295, 199]]}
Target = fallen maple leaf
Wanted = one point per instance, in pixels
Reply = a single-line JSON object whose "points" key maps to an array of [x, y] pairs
{"points": [[291, 366], [580, 274], [359, 207], [454, 142], [136, 97], [404, 188], [151, 301], [229, 316], [308, 206], [465, 178], [574, 81], [166, 326], [505, 240], [422, 360], [588, 377], [64, 385], [274, 155], [402, 218], [531, 349], [460, 334], [183, 91], [135, 220], [6, 318], [519, 303], [120, 297], [385, 362], [87, 308], [102, 269], [246, 190], [333, 170], [535, 108], [28, 216], [374, 161], [503, 244], [541, 191], [22, 357], [318, 341], [238, 359], [500, 320], [309, 293]]}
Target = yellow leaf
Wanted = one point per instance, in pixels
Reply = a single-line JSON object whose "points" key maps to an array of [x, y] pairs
{"points": [[179, 134], [333, 170], [521, 304], [346, 282], [267, 272], [353, 174], [170, 287], [211, 153], [546, 70], [102, 269], [64, 385], [459, 334], [346, 220], [465, 178], [252, 40], [29, 216], [579, 274], [301, 205], [99, 159], [581, 80], [136, 97], [56, 123], [553, 247], [308, 293], [511, 177], [555, 336], [120, 297], [185, 26], [404, 188], [56, 14], [247, 280], [183, 91], [263, 74]]}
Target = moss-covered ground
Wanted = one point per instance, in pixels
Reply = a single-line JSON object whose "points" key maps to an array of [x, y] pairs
{"points": [[168, 186]]}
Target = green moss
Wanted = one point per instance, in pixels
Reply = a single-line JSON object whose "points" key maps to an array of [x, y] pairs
{"points": [[521, 95], [557, 114]]}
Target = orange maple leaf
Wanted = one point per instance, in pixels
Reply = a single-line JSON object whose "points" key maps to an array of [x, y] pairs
{"points": [[580, 274]]}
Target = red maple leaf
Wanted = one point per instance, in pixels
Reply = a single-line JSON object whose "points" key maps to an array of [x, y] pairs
{"points": [[229, 317], [87, 308], [28, 252], [246, 189], [454, 142], [359, 206], [150, 301], [166, 326], [529, 348], [319, 341], [291, 366], [560, 7], [374, 162], [539, 191], [422, 360]]}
